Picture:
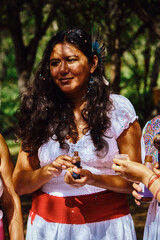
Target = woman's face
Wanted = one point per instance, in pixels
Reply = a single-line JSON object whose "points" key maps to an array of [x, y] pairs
{"points": [[69, 68]]}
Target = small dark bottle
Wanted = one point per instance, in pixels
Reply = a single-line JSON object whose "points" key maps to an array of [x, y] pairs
{"points": [[147, 196], [77, 163]]}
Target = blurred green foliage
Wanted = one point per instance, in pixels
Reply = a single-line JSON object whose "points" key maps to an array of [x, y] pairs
{"points": [[9, 91], [13, 148], [9, 105]]}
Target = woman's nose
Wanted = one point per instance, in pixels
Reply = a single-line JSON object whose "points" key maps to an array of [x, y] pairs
{"points": [[64, 68]]}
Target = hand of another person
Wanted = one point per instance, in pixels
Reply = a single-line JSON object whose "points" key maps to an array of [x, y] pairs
{"points": [[55, 168], [136, 195], [156, 168], [130, 170], [85, 177]]}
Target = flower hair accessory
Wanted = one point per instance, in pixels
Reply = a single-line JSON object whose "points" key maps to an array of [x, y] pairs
{"points": [[98, 47]]}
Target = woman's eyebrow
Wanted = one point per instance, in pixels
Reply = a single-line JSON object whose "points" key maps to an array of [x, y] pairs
{"points": [[69, 56], [54, 59]]}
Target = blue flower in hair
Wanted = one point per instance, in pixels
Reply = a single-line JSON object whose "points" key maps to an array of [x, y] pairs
{"points": [[96, 48]]}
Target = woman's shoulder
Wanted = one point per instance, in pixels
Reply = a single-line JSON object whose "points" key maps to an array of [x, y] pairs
{"points": [[123, 113], [1, 137], [121, 103], [119, 99], [3, 145], [2, 141]]}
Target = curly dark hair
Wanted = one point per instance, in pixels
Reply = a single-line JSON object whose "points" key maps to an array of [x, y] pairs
{"points": [[45, 110]]}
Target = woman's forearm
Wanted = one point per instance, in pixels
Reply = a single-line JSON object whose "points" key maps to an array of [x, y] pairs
{"points": [[28, 181], [15, 226], [112, 182], [11, 206]]}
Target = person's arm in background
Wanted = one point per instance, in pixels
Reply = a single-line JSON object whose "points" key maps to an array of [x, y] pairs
{"points": [[11, 204], [128, 143], [140, 173]]}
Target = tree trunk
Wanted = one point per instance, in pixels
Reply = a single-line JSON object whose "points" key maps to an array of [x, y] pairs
{"points": [[23, 81], [116, 68], [156, 67]]}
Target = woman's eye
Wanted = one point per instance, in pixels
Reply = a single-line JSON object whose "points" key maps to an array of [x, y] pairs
{"points": [[72, 60], [54, 63]]}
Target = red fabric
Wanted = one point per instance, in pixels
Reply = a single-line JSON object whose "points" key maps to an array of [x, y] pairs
{"points": [[80, 209], [2, 237], [32, 216]]}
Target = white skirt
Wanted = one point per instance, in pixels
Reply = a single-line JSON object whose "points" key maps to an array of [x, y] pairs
{"points": [[117, 229], [152, 226]]}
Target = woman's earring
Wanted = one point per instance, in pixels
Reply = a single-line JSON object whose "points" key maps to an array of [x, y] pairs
{"points": [[91, 81]]}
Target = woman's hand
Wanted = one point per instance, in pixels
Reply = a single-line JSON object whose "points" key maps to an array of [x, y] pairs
{"points": [[135, 193], [85, 177], [55, 168], [27, 179]]}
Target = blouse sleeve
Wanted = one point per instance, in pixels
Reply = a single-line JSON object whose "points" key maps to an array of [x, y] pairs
{"points": [[123, 114]]}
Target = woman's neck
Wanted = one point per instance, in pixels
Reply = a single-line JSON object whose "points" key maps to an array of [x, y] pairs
{"points": [[77, 99]]}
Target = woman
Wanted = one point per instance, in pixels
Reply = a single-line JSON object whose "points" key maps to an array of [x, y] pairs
{"points": [[10, 202], [69, 108]]}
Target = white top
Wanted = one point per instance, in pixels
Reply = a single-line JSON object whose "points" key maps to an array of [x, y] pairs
{"points": [[122, 115]]}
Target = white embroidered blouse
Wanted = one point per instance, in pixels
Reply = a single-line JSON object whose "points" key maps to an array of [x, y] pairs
{"points": [[122, 115]]}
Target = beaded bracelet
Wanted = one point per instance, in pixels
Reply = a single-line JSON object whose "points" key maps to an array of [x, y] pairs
{"points": [[158, 190], [152, 181]]}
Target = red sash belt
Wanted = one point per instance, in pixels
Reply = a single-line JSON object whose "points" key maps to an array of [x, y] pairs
{"points": [[79, 209]]}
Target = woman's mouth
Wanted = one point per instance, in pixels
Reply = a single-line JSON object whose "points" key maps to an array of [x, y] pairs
{"points": [[65, 79]]}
